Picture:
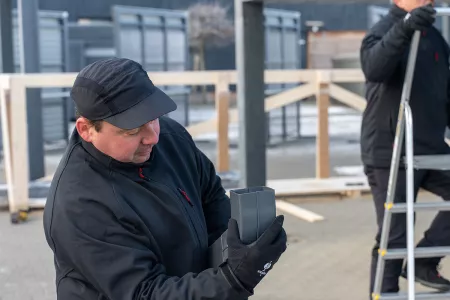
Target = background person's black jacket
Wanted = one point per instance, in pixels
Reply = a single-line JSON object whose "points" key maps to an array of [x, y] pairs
{"points": [[384, 55], [121, 232]]}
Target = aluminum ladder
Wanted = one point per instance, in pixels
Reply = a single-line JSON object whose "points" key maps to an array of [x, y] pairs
{"points": [[430, 162]]}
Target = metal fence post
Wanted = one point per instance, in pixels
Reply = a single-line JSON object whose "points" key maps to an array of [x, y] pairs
{"points": [[250, 54], [30, 63], [6, 35]]}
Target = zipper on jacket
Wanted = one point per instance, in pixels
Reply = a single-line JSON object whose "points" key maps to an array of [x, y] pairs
{"points": [[185, 195], [196, 216], [190, 216]]}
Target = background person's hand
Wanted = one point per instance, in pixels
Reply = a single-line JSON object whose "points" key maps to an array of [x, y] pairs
{"points": [[420, 18], [250, 263]]}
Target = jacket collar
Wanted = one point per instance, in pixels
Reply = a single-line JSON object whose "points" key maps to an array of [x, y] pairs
{"points": [[131, 170], [397, 12]]}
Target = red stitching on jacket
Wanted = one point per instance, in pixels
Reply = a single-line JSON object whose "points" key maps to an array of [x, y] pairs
{"points": [[141, 173], [185, 196]]}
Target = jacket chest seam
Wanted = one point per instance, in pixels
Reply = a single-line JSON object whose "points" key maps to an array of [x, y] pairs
{"points": [[194, 221]]}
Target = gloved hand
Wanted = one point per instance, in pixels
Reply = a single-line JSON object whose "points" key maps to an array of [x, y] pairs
{"points": [[420, 18], [250, 263]]}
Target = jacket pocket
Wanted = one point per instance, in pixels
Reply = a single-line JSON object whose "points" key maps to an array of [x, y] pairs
{"points": [[73, 289], [64, 275]]}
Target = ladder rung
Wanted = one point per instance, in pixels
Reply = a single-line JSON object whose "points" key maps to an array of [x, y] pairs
{"points": [[418, 295], [441, 205], [420, 252], [431, 162]]}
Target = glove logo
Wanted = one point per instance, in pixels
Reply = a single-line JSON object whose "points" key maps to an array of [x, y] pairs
{"points": [[266, 268]]}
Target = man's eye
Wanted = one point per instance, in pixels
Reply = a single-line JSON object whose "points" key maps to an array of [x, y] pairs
{"points": [[134, 132]]}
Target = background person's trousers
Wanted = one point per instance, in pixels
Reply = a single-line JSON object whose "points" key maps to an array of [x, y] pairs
{"points": [[438, 234]]}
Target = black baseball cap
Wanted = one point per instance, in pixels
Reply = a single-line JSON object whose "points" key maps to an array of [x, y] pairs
{"points": [[119, 91]]}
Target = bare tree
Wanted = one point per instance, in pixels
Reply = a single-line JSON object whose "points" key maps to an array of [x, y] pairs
{"points": [[209, 26]]}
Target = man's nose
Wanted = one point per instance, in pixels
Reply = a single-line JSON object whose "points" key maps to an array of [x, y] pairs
{"points": [[150, 135]]}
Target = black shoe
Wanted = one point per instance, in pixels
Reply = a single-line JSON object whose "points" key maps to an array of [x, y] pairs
{"points": [[429, 276]]}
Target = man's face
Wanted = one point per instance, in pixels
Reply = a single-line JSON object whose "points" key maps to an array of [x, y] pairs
{"points": [[129, 146], [409, 5]]}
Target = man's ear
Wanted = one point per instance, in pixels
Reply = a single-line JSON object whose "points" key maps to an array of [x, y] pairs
{"points": [[84, 128]]}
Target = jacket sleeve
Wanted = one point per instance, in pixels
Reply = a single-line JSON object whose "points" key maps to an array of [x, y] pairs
{"points": [[448, 101], [121, 263], [448, 96], [216, 203], [382, 49], [447, 51]]}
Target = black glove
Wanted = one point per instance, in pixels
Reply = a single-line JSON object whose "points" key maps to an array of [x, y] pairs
{"points": [[420, 18], [250, 263]]}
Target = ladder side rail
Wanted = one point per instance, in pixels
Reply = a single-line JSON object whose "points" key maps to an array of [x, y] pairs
{"points": [[395, 162], [410, 202]]}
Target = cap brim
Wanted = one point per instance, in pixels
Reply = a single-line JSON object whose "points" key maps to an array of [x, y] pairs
{"points": [[149, 109]]}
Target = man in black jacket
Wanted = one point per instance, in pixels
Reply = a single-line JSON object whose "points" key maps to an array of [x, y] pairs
{"points": [[134, 205], [384, 55]]}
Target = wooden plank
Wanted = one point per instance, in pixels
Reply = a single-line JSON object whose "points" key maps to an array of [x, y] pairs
{"points": [[290, 188], [272, 102], [203, 127], [171, 78], [159, 78], [298, 212], [289, 76], [347, 97], [4, 81], [315, 186], [187, 77], [222, 106], [289, 96], [19, 146], [322, 139], [38, 80], [43, 80], [5, 107]]}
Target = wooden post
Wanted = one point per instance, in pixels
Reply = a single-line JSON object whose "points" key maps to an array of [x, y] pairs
{"points": [[19, 146], [322, 140], [222, 107], [5, 107]]}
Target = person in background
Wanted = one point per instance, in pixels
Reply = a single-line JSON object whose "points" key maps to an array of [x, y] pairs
{"points": [[384, 54]]}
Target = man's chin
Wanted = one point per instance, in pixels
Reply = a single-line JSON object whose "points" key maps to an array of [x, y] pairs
{"points": [[141, 158]]}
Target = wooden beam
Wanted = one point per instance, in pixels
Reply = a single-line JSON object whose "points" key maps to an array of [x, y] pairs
{"points": [[272, 102], [222, 107], [290, 96], [289, 76], [298, 212], [322, 139], [19, 146], [5, 107], [347, 97], [45, 80], [203, 127], [187, 77], [291, 188]]}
